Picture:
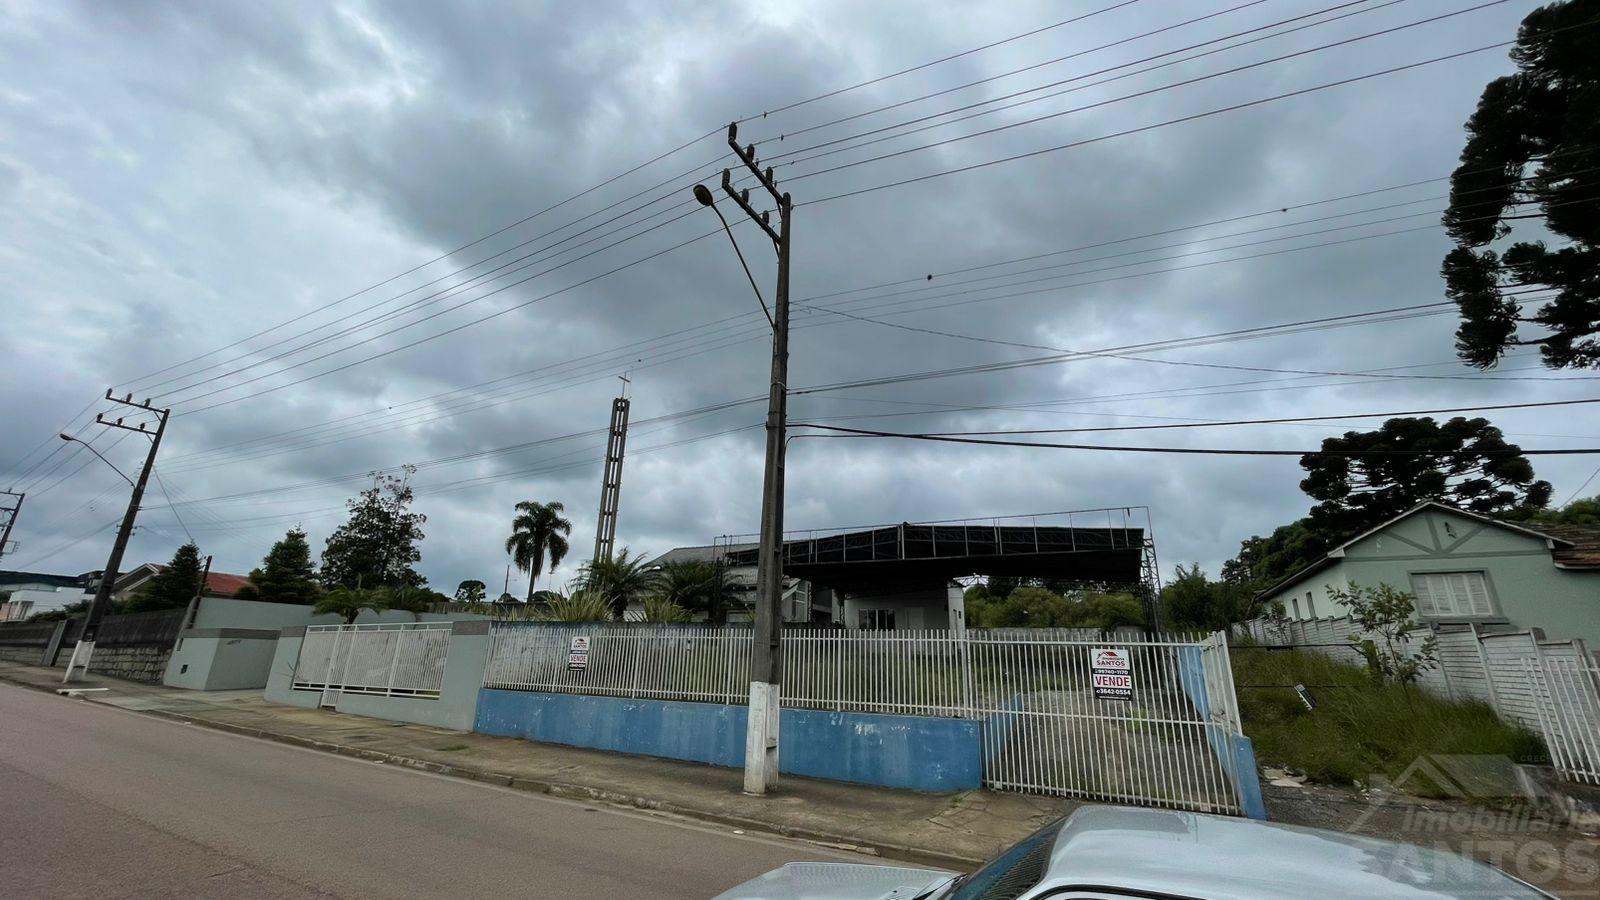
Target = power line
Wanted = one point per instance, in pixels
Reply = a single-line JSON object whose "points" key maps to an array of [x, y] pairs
{"points": [[1278, 421], [1193, 451], [1235, 107], [898, 153], [917, 68]]}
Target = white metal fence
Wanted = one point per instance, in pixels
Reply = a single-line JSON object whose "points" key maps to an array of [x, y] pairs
{"points": [[401, 659], [1569, 713], [1045, 727]]}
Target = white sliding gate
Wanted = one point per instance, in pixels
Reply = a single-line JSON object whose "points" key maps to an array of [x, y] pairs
{"points": [[401, 659]]}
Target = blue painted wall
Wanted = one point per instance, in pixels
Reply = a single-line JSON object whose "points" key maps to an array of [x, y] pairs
{"points": [[1236, 749], [914, 752]]}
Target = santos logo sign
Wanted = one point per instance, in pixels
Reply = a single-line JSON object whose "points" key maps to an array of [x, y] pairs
{"points": [[1113, 676]]}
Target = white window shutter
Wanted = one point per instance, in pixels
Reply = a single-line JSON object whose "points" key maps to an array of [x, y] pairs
{"points": [[1422, 585], [1478, 593]]}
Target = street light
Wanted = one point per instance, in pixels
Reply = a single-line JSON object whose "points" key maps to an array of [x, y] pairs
{"points": [[703, 194], [70, 439]]}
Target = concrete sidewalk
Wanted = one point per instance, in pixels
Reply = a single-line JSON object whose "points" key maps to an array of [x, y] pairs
{"points": [[947, 830]]}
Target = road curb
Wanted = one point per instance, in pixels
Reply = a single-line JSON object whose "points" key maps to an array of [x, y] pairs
{"points": [[560, 789]]}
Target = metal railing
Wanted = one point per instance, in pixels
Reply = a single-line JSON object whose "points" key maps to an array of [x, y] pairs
{"points": [[1567, 692], [26, 634], [400, 659], [1046, 728]]}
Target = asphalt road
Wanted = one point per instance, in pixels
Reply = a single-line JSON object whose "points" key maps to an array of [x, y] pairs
{"points": [[100, 802]]}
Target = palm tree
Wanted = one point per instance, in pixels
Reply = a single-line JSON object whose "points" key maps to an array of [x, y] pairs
{"points": [[622, 580], [580, 606], [659, 609], [349, 602], [538, 532], [693, 584]]}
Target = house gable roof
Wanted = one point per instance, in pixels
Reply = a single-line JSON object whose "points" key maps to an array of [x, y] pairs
{"points": [[218, 584], [1571, 546]]}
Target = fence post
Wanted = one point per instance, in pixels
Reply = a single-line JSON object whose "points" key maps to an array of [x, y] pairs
{"points": [[53, 646]]}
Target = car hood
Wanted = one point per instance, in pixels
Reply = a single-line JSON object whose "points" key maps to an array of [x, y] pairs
{"points": [[837, 881]]}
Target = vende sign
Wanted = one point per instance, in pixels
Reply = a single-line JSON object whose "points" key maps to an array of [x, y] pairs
{"points": [[1111, 674]]}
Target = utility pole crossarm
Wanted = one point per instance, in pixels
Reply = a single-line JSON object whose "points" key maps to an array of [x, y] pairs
{"points": [[81, 654], [766, 656]]}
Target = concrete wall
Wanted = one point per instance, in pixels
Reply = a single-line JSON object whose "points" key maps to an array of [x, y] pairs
{"points": [[1526, 587], [455, 708], [915, 752], [280, 674], [221, 659]]}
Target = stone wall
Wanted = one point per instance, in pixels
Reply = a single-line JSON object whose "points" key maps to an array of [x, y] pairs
{"points": [[29, 655], [134, 663]]}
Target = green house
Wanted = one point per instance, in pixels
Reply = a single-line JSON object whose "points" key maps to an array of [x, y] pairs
{"points": [[1464, 568]]}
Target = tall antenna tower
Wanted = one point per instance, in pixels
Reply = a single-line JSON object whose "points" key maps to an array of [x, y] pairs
{"points": [[605, 535]]}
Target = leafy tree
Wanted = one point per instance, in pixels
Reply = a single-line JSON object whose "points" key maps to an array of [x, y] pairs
{"points": [[286, 574], [71, 610], [1545, 117], [538, 531], [1361, 481], [1264, 560], [471, 591], [1191, 600], [378, 545], [580, 606], [1578, 512], [349, 602], [621, 580], [175, 585], [694, 585], [1030, 606], [1384, 613]]}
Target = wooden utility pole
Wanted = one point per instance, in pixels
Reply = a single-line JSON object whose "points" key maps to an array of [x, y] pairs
{"points": [[81, 654]]}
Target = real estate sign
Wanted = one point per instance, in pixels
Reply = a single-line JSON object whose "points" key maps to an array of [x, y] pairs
{"points": [[578, 653], [1111, 673]]}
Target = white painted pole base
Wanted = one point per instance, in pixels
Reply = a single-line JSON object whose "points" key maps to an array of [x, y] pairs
{"points": [[78, 665], [761, 739]]}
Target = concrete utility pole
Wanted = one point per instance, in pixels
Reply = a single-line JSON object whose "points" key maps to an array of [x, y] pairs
{"points": [[605, 535], [81, 654], [766, 658], [11, 513]]}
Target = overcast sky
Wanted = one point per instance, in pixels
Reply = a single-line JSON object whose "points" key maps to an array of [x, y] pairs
{"points": [[176, 178]]}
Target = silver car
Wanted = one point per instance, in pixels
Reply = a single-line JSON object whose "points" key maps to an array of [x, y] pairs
{"points": [[1116, 853]]}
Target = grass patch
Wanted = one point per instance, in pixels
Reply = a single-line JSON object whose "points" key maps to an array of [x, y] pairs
{"points": [[451, 748], [1359, 727]]}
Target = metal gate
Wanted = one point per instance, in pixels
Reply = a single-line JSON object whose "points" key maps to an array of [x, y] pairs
{"points": [[1567, 697], [1057, 720], [404, 659]]}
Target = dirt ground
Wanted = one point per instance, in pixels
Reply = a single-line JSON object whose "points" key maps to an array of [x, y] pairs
{"points": [[1558, 852]]}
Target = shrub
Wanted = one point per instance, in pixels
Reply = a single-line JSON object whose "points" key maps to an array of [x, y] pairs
{"points": [[1358, 727]]}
